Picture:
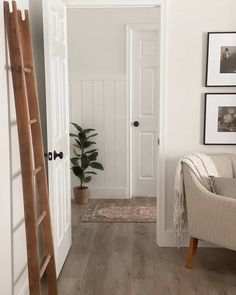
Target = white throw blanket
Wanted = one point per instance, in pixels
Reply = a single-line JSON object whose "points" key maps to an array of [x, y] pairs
{"points": [[203, 167]]}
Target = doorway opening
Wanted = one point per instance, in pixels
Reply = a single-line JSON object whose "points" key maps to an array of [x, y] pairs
{"points": [[114, 81]]}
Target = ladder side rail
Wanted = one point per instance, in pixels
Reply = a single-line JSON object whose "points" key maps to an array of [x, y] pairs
{"points": [[39, 160]]}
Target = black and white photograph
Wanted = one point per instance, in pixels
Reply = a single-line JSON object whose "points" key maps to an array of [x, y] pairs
{"points": [[220, 119], [228, 59], [221, 59], [227, 119]]}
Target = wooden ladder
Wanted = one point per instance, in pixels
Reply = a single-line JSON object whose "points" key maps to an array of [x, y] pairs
{"points": [[31, 150]]}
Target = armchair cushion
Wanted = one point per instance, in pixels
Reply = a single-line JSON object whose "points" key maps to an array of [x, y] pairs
{"points": [[224, 186], [224, 165]]}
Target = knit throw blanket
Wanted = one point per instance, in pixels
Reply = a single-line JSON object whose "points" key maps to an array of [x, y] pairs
{"points": [[202, 166]]}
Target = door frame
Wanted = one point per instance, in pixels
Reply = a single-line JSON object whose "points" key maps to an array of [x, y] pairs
{"points": [[162, 235]]}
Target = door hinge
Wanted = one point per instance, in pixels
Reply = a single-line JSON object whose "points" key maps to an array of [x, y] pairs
{"points": [[158, 141]]}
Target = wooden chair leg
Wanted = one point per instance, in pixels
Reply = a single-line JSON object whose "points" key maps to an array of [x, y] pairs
{"points": [[191, 252]]}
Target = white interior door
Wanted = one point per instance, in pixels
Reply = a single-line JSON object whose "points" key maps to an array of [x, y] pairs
{"points": [[55, 43], [145, 83]]}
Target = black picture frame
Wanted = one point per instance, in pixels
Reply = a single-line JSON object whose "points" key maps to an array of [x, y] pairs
{"points": [[209, 58], [224, 104]]}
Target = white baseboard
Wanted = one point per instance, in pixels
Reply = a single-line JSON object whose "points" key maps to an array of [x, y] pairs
{"points": [[109, 193], [168, 240]]}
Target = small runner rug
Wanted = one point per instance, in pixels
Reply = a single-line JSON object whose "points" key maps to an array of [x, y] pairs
{"points": [[113, 212]]}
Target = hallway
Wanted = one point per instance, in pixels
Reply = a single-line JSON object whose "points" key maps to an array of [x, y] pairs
{"points": [[123, 259]]}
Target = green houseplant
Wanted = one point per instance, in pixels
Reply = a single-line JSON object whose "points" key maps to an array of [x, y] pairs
{"points": [[84, 161]]}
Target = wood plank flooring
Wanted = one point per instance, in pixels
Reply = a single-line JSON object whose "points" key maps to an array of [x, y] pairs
{"points": [[124, 259]]}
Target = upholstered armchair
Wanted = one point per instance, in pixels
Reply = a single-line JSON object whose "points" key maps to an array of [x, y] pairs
{"points": [[211, 217]]}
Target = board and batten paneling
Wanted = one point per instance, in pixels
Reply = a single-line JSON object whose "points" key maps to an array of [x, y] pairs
{"points": [[19, 254], [102, 104]]}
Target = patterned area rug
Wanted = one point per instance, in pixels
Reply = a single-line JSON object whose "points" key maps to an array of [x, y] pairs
{"points": [[113, 212]]}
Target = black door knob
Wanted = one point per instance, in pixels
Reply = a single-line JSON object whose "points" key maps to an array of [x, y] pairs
{"points": [[59, 155], [52, 156], [136, 123]]}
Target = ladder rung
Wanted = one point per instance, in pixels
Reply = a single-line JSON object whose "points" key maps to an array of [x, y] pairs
{"points": [[33, 121], [37, 170], [41, 217], [27, 70], [45, 264]]}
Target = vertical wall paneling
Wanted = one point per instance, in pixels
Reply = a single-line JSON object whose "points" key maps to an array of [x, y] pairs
{"points": [[121, 133], [101, 104], [99, 124], [19, 256], [110, 123]]}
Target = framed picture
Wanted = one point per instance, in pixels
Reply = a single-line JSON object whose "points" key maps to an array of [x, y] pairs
{"points": [[220, 119], [221, 59]]}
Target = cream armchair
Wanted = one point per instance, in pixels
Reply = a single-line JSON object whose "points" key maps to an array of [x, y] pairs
{"points": [[211, 217]]}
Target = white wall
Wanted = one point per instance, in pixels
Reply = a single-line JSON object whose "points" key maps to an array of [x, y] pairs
{"points": [[96, 38], [97, 72], [5, 189], [188, 24], [13, 266]]}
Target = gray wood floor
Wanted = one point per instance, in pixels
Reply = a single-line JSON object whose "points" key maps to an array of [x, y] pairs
{"points": [[124, 259]]}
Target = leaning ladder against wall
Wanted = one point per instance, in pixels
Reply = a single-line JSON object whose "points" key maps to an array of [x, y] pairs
{"points": [[31, 150]]}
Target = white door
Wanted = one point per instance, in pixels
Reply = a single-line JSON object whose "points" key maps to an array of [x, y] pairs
{"points": [[55, 44], [145, 84]]}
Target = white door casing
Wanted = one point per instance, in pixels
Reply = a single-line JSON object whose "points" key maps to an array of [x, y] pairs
{"points": [[144, 109], [57, 102]]}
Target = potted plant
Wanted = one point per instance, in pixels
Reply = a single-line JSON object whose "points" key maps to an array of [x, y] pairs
{"points": [[83, 161]]}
